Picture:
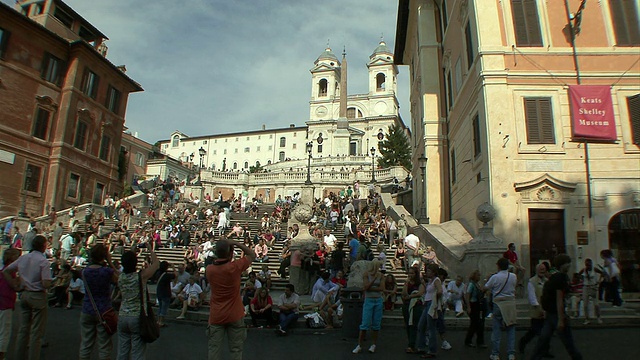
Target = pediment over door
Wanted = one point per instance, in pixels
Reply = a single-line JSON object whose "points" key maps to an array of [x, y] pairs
{"points": [[545, 189]]}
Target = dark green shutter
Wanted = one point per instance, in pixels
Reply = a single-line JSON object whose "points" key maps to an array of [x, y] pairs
{"points": [[633, 104]]}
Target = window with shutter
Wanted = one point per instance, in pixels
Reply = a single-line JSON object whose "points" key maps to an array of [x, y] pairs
{"points": [[470, 49], [477, 148], [539, 121], [453, 166], [4, 40], [633, 103], [624, 15], [41, 123], [526, 22], [449, 90]]}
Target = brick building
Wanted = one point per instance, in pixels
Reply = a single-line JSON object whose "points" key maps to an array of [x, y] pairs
{"points": [[62, 109]]}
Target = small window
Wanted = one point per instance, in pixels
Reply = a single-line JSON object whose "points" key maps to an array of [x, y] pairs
{"points": [[235, 151], [247, 149], [258, 137], [294, 145], [281, 156], [380, 82], [4, 40], [105, 148], [73, 185], [270, 147], [268, 162], [453, 166], [246, 164], [90, 83], [113, 99], [237, 138], [215, 152], [257, 164], [225, 140], [80, 140], [41, 123], [477, 147], [225, 151], [248, 137], [469, 41], [139, 159], [283, 141], [322, 87], [51, 69], [526, 22], [445, 17], [32, 178], [633, 104], [294, 134], [319, 148], [176, 141], [624, 15], [235, 166], [258, 148], [539, 121], [98, 193], [353, 113], [204, 142], [270, 136]]}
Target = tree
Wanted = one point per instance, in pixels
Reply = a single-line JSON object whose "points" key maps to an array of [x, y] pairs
{"points": [[395, 149]]}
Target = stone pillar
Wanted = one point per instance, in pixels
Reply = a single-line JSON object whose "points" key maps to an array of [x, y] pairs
{"points": [[485, 248]]}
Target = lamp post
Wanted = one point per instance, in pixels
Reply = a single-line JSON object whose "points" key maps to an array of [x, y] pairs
{"points": [[373, 164], [191, 159], [27, 185], [202, 153], [424, 213], [309, 150]]}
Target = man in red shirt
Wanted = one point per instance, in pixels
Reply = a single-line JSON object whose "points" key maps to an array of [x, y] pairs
{"points": [[226, 314], [511, 255]]}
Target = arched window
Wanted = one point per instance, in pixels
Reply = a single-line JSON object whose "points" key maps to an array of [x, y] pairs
{"points": [[268, 162], [322, 87], [213, 166], [281, 156], [380, 82], [235, 166], [353, 113], [283, 141], [246, 164], [257, 164], [176, 141]]}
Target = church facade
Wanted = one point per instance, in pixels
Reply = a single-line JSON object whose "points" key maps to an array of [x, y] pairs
{"points": [[350, 135]]}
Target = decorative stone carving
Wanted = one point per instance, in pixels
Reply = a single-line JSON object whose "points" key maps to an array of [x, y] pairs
{"points": [[546, 193], [485, 213]]}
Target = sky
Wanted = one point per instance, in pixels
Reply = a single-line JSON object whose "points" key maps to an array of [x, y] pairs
{"points": [[220, 66]]}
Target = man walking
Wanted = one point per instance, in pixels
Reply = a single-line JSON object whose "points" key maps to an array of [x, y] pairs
{"points": [[536, 284], [226, 314], [554, 295], [36, 279], [503, 288]]}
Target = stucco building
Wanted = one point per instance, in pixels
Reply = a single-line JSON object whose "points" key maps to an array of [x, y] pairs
{"points": [[62, 109], [494, 119]]}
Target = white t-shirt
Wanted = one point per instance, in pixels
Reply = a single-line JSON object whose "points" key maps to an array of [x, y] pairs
{"points": [[192, 293], [458, 291], [411, 241], [330, 240], [502, 284], [77, 283]]}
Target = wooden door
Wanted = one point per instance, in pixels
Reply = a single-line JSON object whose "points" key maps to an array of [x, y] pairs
{"points": [[546, 235]]}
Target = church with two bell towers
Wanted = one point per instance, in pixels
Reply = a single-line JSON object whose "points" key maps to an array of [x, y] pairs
{"points": [[339, 124]]}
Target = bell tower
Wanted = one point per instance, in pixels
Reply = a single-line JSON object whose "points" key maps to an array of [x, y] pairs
{"points": [[382, 71], [325, 79]]}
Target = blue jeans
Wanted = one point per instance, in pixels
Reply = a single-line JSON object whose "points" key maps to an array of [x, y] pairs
{"points": [[427, 324], [129, 342], [286, 319], [496, 334], [371, 314], [550, 325], [163, 306]]}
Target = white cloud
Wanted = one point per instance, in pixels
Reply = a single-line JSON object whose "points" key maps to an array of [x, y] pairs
{"points": [[216, 66]]}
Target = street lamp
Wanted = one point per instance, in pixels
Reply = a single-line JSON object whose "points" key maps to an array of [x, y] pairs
{"points": [[27, 185], [202, 153], [424, 213], [373, 164], [309, 150]]}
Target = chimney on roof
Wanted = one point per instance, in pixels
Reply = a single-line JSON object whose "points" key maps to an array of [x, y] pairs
{"points": [[122, 68], [292, 125], [264, 127], [102, 49]]}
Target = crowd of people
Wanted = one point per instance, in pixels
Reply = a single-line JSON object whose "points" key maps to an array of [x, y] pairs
{"points": [[98, 269]]}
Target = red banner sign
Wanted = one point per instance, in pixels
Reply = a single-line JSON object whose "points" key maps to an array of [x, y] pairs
{"points": [[592, 112]]}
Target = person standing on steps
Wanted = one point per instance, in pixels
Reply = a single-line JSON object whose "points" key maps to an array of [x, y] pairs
{"points": [[372, 309]]}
